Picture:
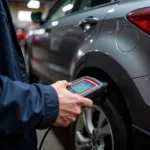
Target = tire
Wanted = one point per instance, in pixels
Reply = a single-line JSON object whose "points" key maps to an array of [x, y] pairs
{"points": [[117, 140]]}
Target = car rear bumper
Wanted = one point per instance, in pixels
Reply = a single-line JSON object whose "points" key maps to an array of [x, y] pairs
{"points": [[136, 93], [141, 139]]}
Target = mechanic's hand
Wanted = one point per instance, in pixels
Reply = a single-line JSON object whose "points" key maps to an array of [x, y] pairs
{"points": [[69, 104]]}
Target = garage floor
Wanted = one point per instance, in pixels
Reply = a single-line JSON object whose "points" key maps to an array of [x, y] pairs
{"points": [[50, 143]]}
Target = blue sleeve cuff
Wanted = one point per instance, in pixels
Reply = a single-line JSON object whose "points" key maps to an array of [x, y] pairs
{"points": [[51, 107]]}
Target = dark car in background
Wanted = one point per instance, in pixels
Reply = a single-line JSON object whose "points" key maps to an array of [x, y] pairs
{"points": [[108, 40]]}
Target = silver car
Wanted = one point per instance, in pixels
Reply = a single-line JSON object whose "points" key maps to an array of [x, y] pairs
{"points": [[108, 40]]}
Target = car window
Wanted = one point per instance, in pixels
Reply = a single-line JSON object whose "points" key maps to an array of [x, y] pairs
{"points": [[87, 4], [61, 10]]}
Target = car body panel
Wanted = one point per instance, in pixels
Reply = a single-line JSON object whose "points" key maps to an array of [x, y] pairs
{"points": [[136, 94], [121, 65], [66, 42]]}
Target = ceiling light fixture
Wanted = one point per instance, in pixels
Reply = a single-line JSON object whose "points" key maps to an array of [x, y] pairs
{"points": [[35, 4]]}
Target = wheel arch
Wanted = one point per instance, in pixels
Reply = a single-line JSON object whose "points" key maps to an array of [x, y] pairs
{"points": [[112, 89]]}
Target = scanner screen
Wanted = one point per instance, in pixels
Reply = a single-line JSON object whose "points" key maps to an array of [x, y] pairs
{"points": [[82, 86]]}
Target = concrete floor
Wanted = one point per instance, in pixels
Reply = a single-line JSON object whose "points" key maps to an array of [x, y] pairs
{"points": [[50, 143]]}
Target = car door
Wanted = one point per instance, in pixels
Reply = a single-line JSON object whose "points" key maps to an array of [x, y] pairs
{"points": [[41, 43], [70, 32]]}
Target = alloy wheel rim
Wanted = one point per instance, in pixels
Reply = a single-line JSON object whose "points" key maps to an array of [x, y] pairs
{"points": [[93, 133]]}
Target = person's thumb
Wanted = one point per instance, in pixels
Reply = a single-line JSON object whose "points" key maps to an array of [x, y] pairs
{"points": [[65, 83], [87, 102]]}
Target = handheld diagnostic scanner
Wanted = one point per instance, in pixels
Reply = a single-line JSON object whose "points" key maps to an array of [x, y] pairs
{"points": [[88, 87]]}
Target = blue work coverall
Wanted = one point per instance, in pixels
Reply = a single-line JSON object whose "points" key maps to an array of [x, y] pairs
{"points": [[23, 107]]}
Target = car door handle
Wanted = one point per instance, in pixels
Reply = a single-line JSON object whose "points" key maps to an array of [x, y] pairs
{"points": [[89, 20]]}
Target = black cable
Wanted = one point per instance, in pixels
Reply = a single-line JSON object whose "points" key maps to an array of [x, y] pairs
{"points": [[43, 139]]}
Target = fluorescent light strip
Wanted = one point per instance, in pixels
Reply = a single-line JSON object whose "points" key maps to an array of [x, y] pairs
{"points": [[35, 4]]}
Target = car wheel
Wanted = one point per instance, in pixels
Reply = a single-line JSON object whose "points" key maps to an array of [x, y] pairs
{"points": [[100, 128]]}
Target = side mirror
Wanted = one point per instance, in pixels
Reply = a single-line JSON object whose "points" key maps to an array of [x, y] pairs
{"points": [[36, 17]]}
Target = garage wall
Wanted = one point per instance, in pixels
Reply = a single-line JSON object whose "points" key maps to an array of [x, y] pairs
{"points": [[15, 8], [14, 11]]}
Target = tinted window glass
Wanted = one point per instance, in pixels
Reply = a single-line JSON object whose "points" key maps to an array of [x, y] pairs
{"points": [[86, 4], [60, 10]]}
